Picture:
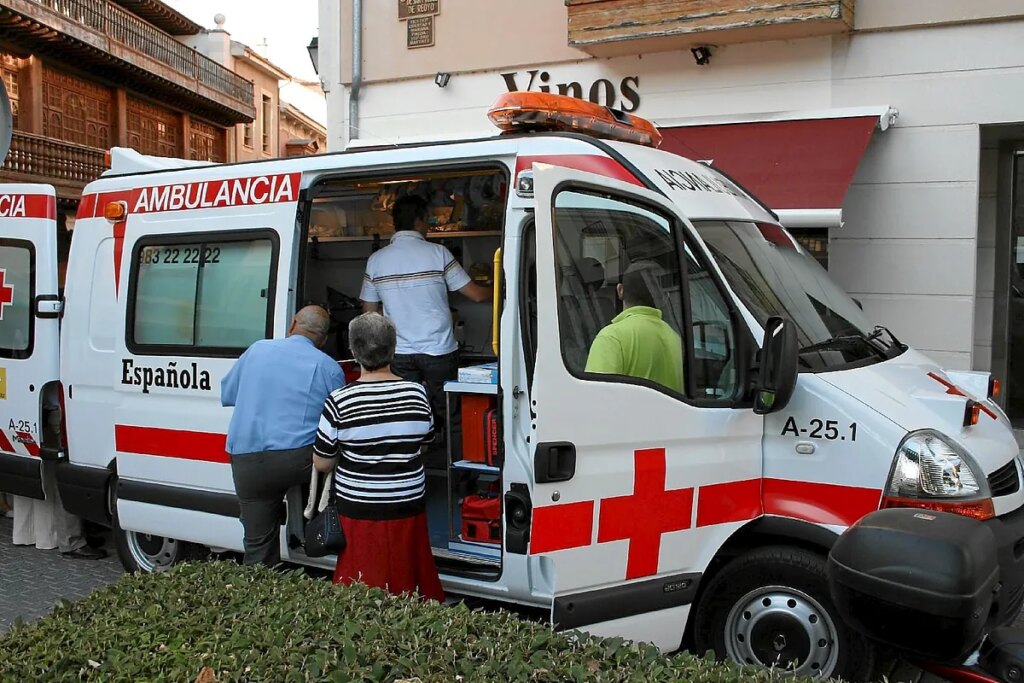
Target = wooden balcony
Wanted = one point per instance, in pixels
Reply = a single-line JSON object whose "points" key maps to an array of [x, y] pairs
{"points": [[615, 27], [68, 167], [100, 36]]}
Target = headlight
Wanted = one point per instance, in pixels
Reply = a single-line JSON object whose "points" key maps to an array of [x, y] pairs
{"points": [[927, 465], [930, 471]]}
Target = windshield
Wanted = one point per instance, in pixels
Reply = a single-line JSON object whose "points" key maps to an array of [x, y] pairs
{"points": [[773, 275]]}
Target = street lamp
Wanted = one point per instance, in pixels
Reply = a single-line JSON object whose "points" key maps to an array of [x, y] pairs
{"points": [[314, 48]]}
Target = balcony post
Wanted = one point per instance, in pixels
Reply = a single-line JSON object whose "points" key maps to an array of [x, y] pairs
{"points": [[119, 129], [30, 95], [185, 148]]}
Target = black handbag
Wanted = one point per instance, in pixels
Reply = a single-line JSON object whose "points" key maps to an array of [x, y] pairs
{"points": [[324, 535]]}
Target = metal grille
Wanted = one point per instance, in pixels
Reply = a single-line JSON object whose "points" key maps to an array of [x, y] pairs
{"points": [[1005, 480]]}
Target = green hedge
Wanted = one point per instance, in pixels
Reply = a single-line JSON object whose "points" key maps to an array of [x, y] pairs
{"points": [[221, 622]]}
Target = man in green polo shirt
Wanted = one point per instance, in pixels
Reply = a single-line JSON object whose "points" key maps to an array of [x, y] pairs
{"points": [[638, 343]]}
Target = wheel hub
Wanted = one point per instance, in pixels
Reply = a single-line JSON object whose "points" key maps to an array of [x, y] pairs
{"points": [[152, 553], [784, 628]]}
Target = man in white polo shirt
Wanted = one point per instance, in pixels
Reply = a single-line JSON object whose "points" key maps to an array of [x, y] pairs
{"points": [[411, 277]]}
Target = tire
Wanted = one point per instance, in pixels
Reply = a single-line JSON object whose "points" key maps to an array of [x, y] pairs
{"points": [[771, 607], [144, 553]]}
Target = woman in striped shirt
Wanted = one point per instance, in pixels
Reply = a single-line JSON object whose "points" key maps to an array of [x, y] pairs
{"points": [[370, 434]]}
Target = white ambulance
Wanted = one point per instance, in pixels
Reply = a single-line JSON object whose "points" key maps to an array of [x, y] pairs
{"points": [[697, 515]]}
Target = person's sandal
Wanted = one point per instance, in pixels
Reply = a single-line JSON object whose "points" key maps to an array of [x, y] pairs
{"points": [[86, 553]]}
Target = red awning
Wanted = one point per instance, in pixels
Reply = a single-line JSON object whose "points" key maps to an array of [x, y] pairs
{"points": [[789, 164]]}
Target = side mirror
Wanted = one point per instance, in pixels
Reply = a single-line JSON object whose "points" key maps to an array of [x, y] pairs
{"points": [[776, 373]]}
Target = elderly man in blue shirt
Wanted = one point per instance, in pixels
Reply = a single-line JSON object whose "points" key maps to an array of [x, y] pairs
{"points": [[278, 388]]}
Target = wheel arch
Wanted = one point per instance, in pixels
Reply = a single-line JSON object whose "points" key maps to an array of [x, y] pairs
{"points": [[761, 532]]}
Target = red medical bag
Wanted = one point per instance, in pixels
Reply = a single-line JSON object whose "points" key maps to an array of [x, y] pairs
{"points": [[480, 442], [481, 519]]}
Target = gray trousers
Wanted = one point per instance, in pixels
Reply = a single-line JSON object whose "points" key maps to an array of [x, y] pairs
{"points": [[261, 481]]}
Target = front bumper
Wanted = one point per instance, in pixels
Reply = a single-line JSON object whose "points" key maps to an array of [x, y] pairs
{"points": [[1009, 532]]}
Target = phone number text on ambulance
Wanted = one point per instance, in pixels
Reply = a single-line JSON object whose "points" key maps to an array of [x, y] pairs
{"points": [[182, 255]]}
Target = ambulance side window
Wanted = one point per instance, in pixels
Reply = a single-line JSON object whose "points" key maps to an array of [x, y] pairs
{"points": [[202, 294], [17, 290]]}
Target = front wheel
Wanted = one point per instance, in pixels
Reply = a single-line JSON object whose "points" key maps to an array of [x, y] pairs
{"points": [[146, 553], [771, 607]]}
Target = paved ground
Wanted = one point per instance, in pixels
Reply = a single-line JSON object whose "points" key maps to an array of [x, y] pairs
{"points": [[32, 581]]}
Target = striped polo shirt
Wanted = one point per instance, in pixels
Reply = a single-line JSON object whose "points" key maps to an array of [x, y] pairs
{"points": [[411, 277], [376, 430]]}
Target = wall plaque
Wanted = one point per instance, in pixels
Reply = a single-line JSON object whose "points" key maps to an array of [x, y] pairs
{"points": [[418, 8], [420, 32]]}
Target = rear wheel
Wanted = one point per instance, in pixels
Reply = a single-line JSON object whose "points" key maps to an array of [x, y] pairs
{"points": [[146, 553], [771, 607]]}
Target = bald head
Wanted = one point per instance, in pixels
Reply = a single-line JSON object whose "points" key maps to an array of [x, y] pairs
{"points": [[312, 322]]}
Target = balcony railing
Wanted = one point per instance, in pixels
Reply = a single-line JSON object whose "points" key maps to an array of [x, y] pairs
{"points": [[52, 161], [131, 31]]}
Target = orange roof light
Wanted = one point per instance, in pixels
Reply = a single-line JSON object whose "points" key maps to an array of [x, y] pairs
{"points": [[115, 211], [523, 111]]}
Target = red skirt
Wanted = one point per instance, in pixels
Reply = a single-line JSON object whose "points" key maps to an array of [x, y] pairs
{"points": [[393, 554]]}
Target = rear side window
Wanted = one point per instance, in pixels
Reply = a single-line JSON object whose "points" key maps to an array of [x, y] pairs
{"points": [[202, 295], [17, 289]]}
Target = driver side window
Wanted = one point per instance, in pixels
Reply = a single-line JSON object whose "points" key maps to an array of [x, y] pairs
{"points": [[714, 341], [621, 288]]}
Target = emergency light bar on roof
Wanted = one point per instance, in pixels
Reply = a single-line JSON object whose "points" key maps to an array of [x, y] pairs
{"points": [[524, 111]]}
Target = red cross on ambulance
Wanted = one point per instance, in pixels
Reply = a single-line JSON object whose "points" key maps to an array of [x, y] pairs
{"points": [[6, 292], [640, 518]]}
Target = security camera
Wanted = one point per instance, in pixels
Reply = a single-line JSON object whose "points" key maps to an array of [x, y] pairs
{"points": [[701, 54]]}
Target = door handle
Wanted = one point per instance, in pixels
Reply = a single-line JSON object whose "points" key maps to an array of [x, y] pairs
{"points": [[554, 461], [48, 306]]}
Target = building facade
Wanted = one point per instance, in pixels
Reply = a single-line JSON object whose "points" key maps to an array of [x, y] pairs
{"points": [[908, 116], [86, 75], [261, 138], [300, 133]]}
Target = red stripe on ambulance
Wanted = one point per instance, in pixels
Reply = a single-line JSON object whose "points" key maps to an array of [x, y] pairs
{"points": [[206, 194], [734, 501], [216, 194], [28, 206], [821, 503], [87, 206], [5, 443], [561, 527], [589, 163], [26, 440], [171, 443], [652, 510]]}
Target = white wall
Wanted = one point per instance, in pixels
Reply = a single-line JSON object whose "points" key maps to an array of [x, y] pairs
{"points": [[986, 261], [911, 244]]}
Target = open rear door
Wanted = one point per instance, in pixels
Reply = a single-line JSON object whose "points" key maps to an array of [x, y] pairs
{"points": [[29, 331], [638, 480]]}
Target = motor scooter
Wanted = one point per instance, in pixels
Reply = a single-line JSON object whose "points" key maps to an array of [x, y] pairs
{"points": [[932, 586]]}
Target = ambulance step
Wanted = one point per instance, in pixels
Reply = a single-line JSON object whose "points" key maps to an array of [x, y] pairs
{"points": [[475, 466], [471, 552]]}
